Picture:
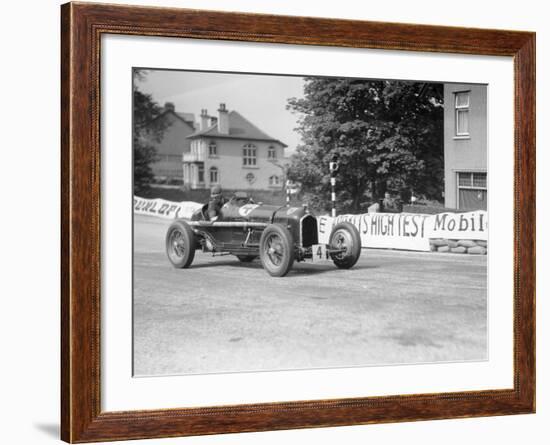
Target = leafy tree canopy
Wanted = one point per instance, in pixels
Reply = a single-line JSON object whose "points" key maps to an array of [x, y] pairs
{"points": [[388, 136], [147, 130]]}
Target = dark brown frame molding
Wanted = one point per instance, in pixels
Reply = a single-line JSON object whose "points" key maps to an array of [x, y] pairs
{"points": [[82, 25]]}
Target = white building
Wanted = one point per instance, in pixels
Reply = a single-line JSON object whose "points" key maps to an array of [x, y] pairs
{"points": [[231, 151]]}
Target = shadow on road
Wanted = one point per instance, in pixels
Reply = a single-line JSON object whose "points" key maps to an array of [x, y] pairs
{"points": [[228, 262], [312, 270], [299, 269]]}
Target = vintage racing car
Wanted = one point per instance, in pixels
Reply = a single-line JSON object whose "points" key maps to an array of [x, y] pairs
{"points": [[279, 235]]}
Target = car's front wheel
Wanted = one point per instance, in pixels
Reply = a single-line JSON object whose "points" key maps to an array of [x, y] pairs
{"points": [[276, 250], [180, 244], [345, 236]]}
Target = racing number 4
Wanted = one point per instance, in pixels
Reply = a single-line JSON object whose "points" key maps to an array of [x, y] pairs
{"points": [[319, 252]]}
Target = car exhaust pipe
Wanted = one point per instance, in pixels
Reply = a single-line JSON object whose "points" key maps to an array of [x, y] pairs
{"points": [[243, 224]]}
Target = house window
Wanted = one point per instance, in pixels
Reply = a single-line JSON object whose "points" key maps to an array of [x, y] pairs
{"points": [[271, 152], [462, 118], [274, 181], [472, 190], [200, 172], [249, 155], [212, 149], [214, 176]]}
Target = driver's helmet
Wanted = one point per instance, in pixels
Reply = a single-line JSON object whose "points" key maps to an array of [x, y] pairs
{"points": [[216, 191]]}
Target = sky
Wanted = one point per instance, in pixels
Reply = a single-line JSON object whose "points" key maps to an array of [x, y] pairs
{"points": [[260, 98]]}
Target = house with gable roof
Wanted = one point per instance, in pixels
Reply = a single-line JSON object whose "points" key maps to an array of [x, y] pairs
{"points": [[232, 152], [173, 145]]}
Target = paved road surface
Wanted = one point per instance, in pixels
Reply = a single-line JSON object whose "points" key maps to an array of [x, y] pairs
{"points": [[221, 315]]}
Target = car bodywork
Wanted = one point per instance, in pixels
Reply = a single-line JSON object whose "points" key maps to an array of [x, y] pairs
{"points": [[240, 224], [279, 235]]}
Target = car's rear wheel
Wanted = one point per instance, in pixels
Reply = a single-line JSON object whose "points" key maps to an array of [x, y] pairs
{"points": [[180, 244], [345, 236], [276, 250], [246, 258]]}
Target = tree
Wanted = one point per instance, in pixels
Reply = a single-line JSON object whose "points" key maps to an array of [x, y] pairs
{"points": [[147, 130], [388, 135]]}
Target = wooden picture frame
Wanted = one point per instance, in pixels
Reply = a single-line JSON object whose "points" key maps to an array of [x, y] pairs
{"points": [[82, 26]]}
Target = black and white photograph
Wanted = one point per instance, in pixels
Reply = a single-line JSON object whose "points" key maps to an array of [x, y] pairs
{"points": [[255, 223], [300, 222]]}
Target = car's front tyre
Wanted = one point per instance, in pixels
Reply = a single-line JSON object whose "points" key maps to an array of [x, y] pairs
{"points": [[345, 236], [276, 250], [180, 244]]}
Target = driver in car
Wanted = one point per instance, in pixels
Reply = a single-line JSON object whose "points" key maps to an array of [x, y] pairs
{"points": [[215, 203]]}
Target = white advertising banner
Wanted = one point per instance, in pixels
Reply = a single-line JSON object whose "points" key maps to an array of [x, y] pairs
{"points": [[383, 230], [165, 209], [409, 231], [406, 231], [470, 225]]}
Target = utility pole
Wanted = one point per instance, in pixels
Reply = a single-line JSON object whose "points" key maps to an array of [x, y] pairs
{"points": [[333, 167]]}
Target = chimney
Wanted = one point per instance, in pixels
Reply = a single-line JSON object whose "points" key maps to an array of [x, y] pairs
{"points": [[223, 120], [204, 119], [169, 106]]}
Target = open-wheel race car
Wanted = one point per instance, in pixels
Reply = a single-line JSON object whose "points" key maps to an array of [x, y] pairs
{"points": [[279, 235]]}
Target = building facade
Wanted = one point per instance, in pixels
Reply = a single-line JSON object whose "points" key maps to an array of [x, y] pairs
{"points": [[465, 141], [230, 151], [174, 143]]}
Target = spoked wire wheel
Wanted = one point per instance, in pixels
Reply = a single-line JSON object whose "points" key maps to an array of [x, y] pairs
{"points": [[345, 237], [177, 244], [180, 244], [276, 250]]}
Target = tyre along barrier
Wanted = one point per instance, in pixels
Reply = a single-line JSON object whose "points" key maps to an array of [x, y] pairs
{"points": [[443, 232]]}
